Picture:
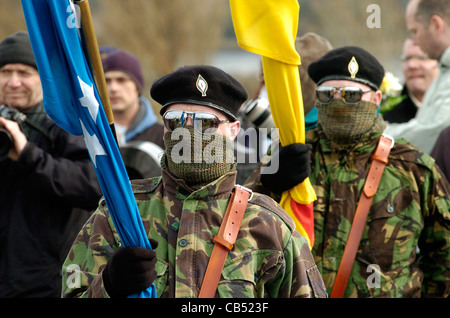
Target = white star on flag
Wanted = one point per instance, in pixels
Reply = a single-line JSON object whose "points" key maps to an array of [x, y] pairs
{"points": [[88, 100], [93, 144]]}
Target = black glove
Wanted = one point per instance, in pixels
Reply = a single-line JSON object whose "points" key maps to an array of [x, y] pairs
{"points": [[129, 271], [294, 167]]}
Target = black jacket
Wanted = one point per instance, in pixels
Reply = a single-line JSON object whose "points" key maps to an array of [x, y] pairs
{"points": [[403, 111], [441, 152], [45, 197]]}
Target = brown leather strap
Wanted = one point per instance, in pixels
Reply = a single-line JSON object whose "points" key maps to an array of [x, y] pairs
{"points": [[224, 241], [380, 159]]}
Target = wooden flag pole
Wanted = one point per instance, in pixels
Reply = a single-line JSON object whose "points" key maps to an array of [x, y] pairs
{"points": [[93, 53]]}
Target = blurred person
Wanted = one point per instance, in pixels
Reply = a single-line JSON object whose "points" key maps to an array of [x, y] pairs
{"points": [[134, 118], [310, 47], [419, 72], [139, 133], [428, 21], [183, 210], [404, 247], [48, 184]]}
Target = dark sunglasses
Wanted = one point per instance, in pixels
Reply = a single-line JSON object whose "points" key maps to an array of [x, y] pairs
{"points": [[349, 94], [203, 122]]}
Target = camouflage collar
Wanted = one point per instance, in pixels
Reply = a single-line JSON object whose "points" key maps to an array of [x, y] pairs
{"points": [[220, 188], [366, 144]]}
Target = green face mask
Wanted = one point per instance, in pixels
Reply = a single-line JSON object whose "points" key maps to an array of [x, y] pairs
{"points": [[197, 158], [345, 124]]}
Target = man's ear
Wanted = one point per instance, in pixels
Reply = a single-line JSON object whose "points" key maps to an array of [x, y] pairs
{"points": [[234, 128], [436, 25], [377, 97]]}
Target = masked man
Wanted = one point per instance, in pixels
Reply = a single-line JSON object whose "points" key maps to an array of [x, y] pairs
{"points": [[404, 247], [183, 210]]}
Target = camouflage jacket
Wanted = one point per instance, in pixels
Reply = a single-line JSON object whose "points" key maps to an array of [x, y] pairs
{"points": [[269, 258], [405, 247]]}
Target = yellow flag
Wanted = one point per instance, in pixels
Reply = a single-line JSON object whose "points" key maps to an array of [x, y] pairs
{"points": [[269, 28]]}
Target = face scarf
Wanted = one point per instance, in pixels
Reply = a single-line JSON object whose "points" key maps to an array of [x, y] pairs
{"points": [[197, 158], [346, 124]]}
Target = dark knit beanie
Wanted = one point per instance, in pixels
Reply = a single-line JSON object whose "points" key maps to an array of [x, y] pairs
{"points": [[16, 48], [125, 62]]}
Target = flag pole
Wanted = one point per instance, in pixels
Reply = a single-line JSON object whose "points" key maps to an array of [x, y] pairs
{"points": [[93, 54]]}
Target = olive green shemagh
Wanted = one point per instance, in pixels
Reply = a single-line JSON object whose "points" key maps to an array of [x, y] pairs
{"points": [[345, 124], [197, 158]]}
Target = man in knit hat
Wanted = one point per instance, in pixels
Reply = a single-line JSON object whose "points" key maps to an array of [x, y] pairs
{"points": [[139, 133], [404, 247], [134, 118], [16, 56], [184, 209], [46, 179]]}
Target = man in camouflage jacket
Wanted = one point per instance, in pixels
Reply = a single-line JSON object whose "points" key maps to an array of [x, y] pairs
{"points": [[405, 247], [269, 258]]}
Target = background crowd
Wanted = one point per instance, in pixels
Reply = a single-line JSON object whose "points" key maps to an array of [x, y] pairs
{"points": [[49, 188]]}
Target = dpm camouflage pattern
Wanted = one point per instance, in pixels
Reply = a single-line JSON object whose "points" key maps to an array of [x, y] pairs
{"points": [[405, 247], [269, 258]]}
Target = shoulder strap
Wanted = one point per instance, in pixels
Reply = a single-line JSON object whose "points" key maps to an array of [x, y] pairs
{"points": [[380, 159], [224, 240]]}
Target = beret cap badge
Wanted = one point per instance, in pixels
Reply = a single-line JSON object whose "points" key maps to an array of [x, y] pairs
{"points": [[353, 67], [202, 85]]}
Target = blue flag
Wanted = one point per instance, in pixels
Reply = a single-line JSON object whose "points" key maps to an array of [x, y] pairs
{"points": [[72, 101]]}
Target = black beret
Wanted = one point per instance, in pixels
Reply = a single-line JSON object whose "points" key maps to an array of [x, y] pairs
{"points": [[348, 63], [200, 85], [16, 48]]}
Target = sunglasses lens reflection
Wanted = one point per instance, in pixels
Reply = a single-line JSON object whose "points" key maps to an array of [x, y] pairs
{"points": [[349, 94], [203, 122]]}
